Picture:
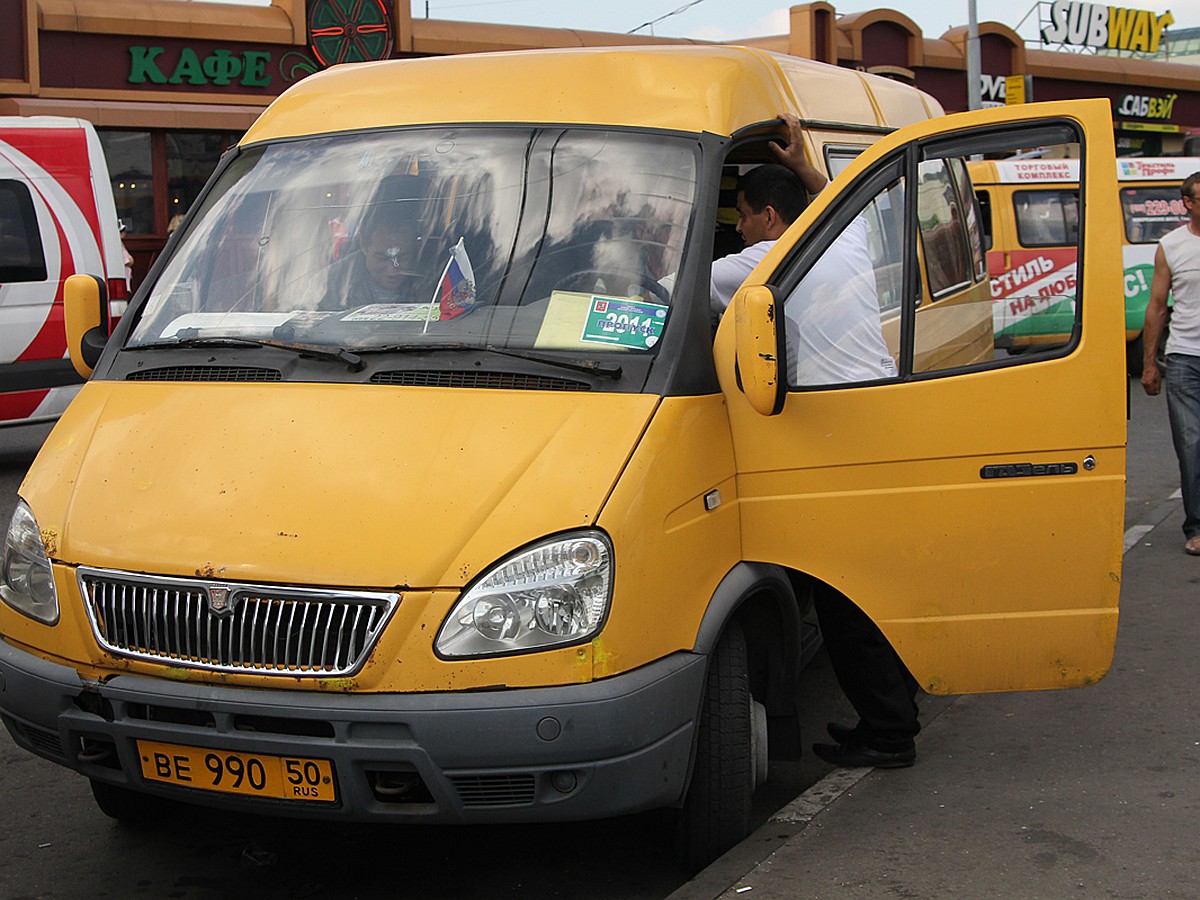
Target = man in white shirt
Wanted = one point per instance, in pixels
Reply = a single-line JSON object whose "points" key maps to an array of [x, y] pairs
{"points": [[832, 317], [769, 199], [1177, 273]]}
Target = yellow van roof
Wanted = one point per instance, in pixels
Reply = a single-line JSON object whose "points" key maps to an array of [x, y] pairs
{"points": [[719, 89]]}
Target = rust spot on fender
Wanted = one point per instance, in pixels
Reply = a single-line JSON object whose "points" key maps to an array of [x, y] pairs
{"points": [[601, 658], [50, 542], [339, 685]]}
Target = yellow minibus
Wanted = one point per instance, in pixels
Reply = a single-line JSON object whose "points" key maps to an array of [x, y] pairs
{"points": [[1030, 210], [524, 540]]}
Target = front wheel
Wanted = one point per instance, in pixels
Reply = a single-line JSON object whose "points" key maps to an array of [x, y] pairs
{"points": [[730, 758], [128, 807]]}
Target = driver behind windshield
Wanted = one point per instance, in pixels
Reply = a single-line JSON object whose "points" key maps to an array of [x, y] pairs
{"points": [[384, 267]]}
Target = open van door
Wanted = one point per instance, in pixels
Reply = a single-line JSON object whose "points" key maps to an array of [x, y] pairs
{"points": [[969, 501]]}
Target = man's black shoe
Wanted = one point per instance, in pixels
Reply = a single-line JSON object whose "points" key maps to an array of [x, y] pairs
{"points": [[851, 757], [843, 734]]}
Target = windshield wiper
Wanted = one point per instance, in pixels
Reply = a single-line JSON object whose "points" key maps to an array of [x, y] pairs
{"points": [[309, 351], [590, 366]]}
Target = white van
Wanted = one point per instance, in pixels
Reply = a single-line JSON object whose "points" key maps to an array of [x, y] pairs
{"points": [[57, 217]]}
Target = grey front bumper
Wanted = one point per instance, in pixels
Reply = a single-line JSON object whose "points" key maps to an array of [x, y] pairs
{"points": [[575, 752]]}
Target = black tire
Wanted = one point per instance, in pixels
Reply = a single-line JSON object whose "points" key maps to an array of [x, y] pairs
{"points": [[716, 811], [129, 807]]}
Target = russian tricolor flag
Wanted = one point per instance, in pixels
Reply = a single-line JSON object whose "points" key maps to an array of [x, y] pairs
{"points": [[456, 289]]}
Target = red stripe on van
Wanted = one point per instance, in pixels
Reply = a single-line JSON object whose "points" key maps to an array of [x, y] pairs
{"points": [[20, 404], [51, 340], [63, 153]]}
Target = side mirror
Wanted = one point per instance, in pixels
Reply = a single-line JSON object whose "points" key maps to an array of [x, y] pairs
{"points": [[85, 298], [761, 356]]}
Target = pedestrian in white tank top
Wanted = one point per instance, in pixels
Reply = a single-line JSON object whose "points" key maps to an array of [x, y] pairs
{"points": [[1177, 274]]}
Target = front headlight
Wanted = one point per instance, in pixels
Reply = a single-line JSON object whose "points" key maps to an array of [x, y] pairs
{"points": [[554, 593], [26, 580]]}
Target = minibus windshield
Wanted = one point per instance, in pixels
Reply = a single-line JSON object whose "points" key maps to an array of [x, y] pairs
{"points": [[511, 237]]}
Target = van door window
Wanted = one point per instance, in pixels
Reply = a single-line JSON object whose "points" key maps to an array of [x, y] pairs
{"points": [[978, 231], [1047, 218], [842, 321], [943, 234], [1151, 212], [21, 255], [898, 286]]}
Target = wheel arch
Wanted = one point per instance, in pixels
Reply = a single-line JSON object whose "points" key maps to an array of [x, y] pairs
{"points": [[769, 602]]}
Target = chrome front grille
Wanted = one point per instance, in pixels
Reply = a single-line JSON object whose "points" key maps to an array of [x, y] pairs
{"points": [[234, 627]]}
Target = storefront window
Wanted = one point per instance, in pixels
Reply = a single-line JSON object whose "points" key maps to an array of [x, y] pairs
{"points": [[191, 158], [131, 170], [157, 175]]}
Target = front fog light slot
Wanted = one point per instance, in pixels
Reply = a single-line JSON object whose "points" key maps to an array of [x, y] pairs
{"points": [[554, 593]]}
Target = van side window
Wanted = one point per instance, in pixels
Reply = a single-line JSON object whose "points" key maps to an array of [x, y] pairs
{"points": [[1151, 212], [837, 159], [1047, 218], [21, 255], [984, 199]]}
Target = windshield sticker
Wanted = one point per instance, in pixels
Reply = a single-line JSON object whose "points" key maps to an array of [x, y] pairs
{"points": [[624, 322], [225, 324], [309, 318], [394, 312]]}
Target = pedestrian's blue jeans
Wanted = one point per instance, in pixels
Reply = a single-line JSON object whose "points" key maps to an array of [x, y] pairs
{"points": [[1183, 406]]}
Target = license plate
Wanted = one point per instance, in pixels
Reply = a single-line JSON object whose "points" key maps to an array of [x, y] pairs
{"points": [[230, 772]]}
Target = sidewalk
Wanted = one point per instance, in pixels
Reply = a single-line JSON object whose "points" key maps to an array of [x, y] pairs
{"points": [[1083, 793]]}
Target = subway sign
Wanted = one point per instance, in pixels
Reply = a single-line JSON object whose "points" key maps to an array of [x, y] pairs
{"points": [[1104, 27], [1141, 106]]}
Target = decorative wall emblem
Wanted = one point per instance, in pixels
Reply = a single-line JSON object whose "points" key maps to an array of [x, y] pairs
{"points": [[341, 31]]}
